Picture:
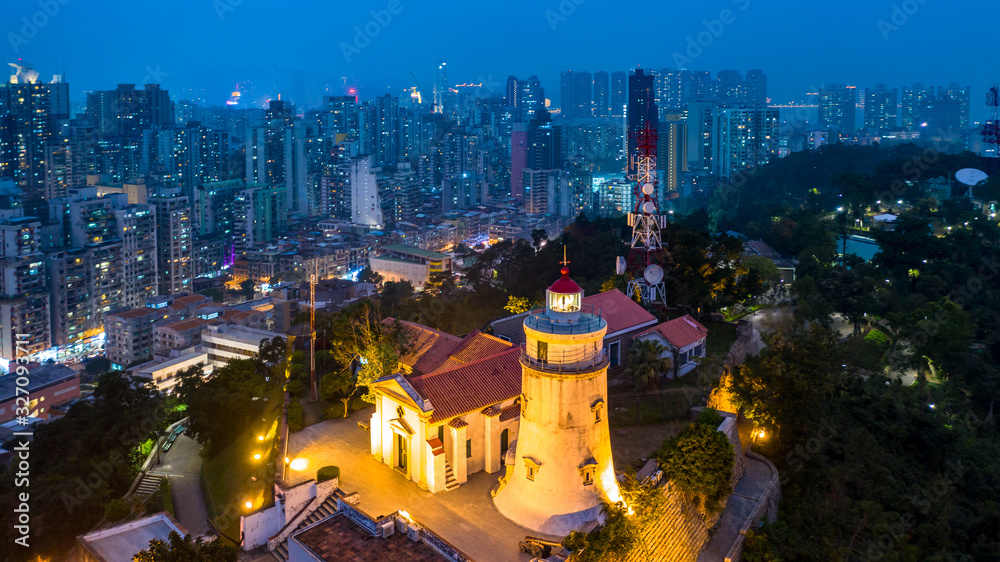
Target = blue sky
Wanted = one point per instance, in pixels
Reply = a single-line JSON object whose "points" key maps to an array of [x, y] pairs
{"points": [[297, 48]]}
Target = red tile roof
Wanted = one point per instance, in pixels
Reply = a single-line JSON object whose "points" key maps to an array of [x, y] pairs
{"points": [[620, 312], [472, 386], [134, 312], [186, 324], [680, 332], [474, 346], [511, 412], [428, 348]]}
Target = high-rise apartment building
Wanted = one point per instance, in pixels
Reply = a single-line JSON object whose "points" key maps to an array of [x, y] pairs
{"points": [[29, 112], [24, 298], [881, 108], [602, 94], [642, 111], [619, 93], [137, 227], [838, 109], [175, 244]]}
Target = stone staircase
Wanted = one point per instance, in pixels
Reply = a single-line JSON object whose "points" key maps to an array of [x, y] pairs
{"points": [[450, 482], [149, 483], [326, 509]]}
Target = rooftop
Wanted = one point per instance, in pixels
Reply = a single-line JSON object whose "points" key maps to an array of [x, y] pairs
{"points": [[133, 313], [121, 543], [620, 312], [414, 251], [338, 538], [472, 386], [680, 332], [428, 348], [40, 375]]}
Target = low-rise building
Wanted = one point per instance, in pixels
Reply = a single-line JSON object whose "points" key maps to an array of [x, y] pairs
{"points": [[400, 262], [129, 335], [164, 371], [49, 385], [685, 340], [124, 541], [223, 342], [178, 335]]}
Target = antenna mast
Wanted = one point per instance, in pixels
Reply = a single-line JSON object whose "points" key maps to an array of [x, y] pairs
{"points": [[646, 253]]}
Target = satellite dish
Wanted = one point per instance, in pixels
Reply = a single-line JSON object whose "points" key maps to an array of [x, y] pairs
{"points": [[649, 207], [970, 176], [653, 274], [648, 189]]}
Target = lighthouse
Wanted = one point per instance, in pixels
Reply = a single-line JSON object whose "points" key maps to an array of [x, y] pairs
{"points": [[560, 470]]}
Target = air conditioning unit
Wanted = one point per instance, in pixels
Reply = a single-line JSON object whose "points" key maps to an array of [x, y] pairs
{"points": [[413, 533], [401, 524], [386, 528]]}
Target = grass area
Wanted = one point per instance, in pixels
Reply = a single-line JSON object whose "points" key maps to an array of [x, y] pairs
{"points": [[721, 337], [650, 410], [168, 500], [336, 410], [630, 446], [227, 479]]}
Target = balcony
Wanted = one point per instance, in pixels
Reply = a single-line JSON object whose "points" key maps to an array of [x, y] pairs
{"points": [[579, 361], [590, 321]]}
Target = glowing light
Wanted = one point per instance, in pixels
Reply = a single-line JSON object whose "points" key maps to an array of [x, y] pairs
{"points": [[609, 483], [299, 464], [256, 456], [287, 460], [405, 515], [249, 504], [260, 438]]}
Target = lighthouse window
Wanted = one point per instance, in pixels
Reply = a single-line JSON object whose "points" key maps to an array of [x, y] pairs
{"points": [[543, 351], [588, 478]]}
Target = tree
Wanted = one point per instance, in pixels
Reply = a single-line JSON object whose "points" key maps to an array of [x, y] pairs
{"points": [[117, 510], [272, 351], [371, 349], [647, 363], [517, 305], [367, 275], [247, 288], [98, 365], [215, 293], [538, 237], [699, 461], [222, 407], [187, 549]]}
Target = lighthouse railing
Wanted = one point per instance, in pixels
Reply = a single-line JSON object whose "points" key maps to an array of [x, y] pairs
{"points": [[589, 320], [566, 362]]}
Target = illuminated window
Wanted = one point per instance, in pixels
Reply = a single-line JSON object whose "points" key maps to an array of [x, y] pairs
{"points": [[561, 302], [532, 467]]}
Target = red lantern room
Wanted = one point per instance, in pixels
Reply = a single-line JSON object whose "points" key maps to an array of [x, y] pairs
{"points": [[563, 299]]}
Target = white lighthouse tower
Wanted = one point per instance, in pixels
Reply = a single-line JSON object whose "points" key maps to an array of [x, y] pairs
{"points": [[560, 470]]}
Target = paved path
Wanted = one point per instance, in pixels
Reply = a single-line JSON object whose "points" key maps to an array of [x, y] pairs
{"points": [[464, 517], [182, 467], [746, 497]]}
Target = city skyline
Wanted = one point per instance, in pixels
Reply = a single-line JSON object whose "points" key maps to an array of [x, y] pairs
{"points": [[312, 61]]}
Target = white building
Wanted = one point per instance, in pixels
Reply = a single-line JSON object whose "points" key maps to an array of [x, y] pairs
{"points": [[461, 417], [685, 340], [366, 209], [400, 262]]}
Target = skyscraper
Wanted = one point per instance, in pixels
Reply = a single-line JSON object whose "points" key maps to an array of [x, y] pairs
{"points": [[518, 159], [440, 87], [641, 111], [756, 88], [386, 130], [583, 95], [619, 93], [880, 108], [602, 100], [912, 99], [27, 125], [838, 108]]}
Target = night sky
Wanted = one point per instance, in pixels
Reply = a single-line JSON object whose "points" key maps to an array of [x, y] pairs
{"points": [[202, 48]]}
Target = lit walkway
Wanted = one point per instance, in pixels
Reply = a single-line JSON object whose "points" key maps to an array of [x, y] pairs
{"points": [[464, 517], [746, 497]]}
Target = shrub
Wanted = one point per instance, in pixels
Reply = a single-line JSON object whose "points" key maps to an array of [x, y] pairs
{"points": [[117, 510], [295, 388], [700, 461], [295, 416], [327, 473]]}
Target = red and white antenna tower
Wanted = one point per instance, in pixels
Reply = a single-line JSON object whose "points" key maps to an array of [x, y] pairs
{"points": [[646, 253]]}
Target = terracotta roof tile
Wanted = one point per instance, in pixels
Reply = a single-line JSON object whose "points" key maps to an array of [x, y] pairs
{"points": [[511, 412], [620, 312], [186, 324], [472, 386], [680, 332], [428, 348], [458, 423], [134, 312], [474, 346]]}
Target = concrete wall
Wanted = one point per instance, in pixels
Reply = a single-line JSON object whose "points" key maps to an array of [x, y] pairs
{"points": [[259, 526]]}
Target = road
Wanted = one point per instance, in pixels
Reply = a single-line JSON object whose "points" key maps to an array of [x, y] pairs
{"points": [[182, 467]]}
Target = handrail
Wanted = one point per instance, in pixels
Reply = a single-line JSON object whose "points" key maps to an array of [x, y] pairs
{"points": [[590, 320], [567, 364]]}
